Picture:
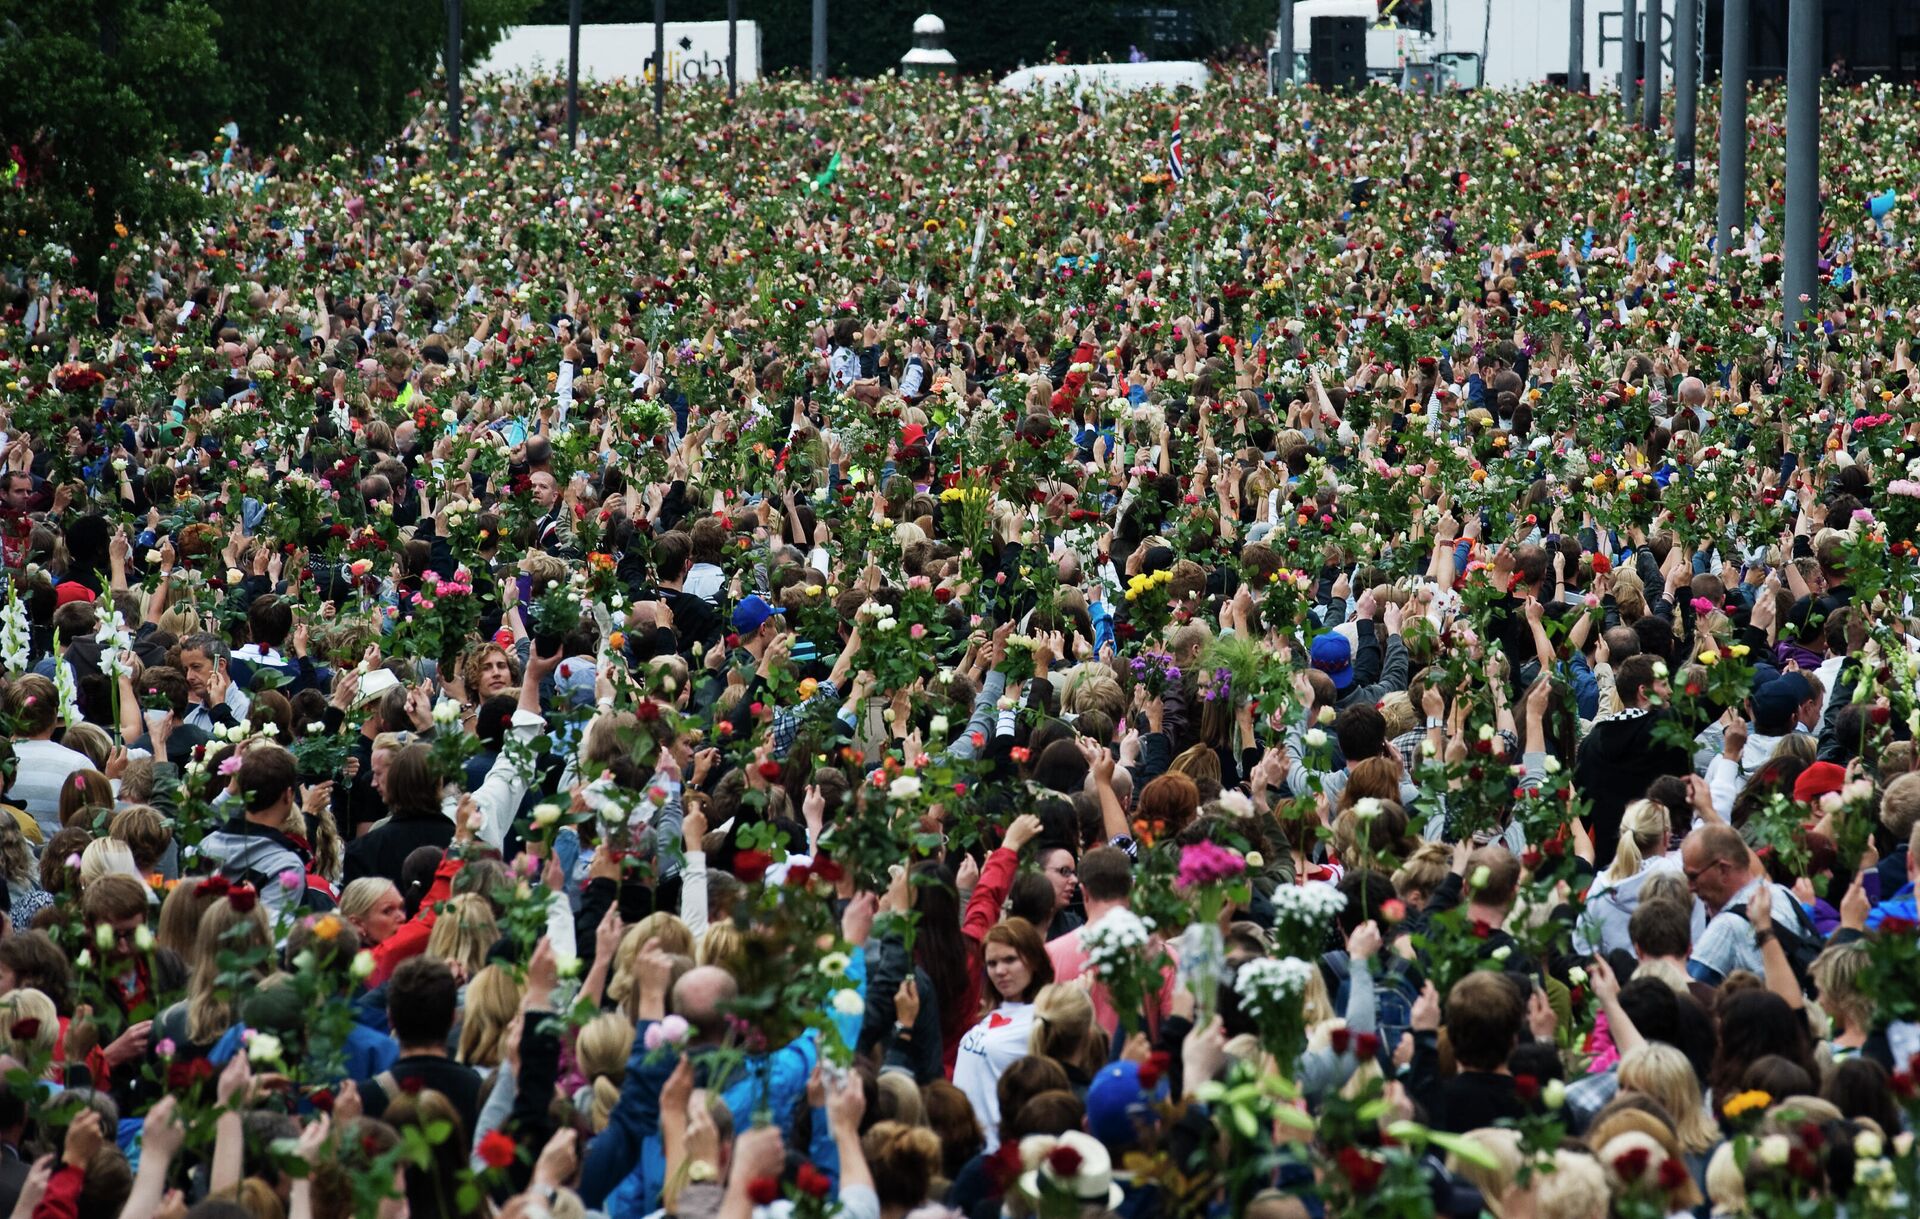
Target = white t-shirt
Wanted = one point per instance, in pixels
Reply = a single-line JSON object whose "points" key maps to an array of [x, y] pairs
{"points": [[988, 1049]]}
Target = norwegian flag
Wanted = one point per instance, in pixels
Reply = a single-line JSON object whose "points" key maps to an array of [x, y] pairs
{"points": [[1176, 163]]}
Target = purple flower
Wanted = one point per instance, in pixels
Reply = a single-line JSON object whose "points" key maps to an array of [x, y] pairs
{"points": [[229, 764], [1205, 863], [292, 879]]}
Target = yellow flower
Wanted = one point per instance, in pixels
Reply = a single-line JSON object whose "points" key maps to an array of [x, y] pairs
{"points": [[1708, 658], [326, 927], [807, 686], [1740, 408], [1746, 1101], [1738, 650]]}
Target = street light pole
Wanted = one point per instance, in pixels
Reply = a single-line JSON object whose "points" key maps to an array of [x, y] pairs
{"points": [[819, 42], [1733, 124], [1286, 43], [1686, 88], [659, 61], [1576, 46], [1803, 156], [1630, 60], [1650, 68], [453, 77], [733, 49], [573, 74]]}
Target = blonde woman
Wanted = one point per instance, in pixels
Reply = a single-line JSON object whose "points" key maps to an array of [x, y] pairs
{"points": [[1836, 971], [1645, 831], [105, 856], [493, 999], [1064, 1030], [1661, 1073], [1500, 1145], [464, 932], [601, 1051], [674, 940], [29, 1027], [195, 1023]]}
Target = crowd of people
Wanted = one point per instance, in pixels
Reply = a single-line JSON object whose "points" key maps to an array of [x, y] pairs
{"points": [[885, 651]]}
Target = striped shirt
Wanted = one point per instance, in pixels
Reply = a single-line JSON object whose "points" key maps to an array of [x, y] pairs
{"points": [[44, 769]]}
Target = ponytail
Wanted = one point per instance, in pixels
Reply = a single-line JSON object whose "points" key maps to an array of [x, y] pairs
{"points": [[1642, 826]]}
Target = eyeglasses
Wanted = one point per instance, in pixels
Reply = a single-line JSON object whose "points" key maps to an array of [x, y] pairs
{"points": [[1694, 874], [1066, 871]]}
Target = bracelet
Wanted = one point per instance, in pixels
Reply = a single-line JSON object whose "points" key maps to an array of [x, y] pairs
{"points": [[1761, 938]]}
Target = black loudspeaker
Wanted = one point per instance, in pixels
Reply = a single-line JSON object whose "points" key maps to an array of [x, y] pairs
{"points": [[1337, 52]]}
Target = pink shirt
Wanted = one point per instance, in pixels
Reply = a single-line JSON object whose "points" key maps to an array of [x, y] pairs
{"points": [[1070, 961]]}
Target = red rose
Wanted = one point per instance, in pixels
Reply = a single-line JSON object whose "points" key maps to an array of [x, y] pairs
{"points": [[1020, 754], [213, 886], [647, 711], [1527, 1088], [943, 594], [751, 866], [1530, 859], [243, 898], [763, 1191], [829, 871], [1366, 1045], [770, 771], [322, 1099], [1631, 1164], [1393, 910], [1154, 1069], [1673, 1175], [756, 709], [1064, 1162], [1361, 1171], [1340, 1039], [26, 1028], [413, 1085], [812, 1181], [1902, 1082], [1482, 929], [496, 1150]]}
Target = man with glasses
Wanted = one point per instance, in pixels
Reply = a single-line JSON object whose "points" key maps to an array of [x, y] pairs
{"points": [[1720, 870]]}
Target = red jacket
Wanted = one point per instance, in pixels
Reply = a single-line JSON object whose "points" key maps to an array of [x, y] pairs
{"points": [[411, 939], [62, 1199], [983, 911]]}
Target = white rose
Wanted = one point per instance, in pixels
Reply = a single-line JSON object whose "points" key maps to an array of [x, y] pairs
{"points": [[1315, 739], [142, 939], [1256, 860], [154, 556], [545, 815], [906, 787], [1366, 808], [363, 965], [103, 936], [1551, 765], [1554, 1094], [264, 1047], [1503, 952], [446, 711], [1486, 732], [1867, 1145], [847, 1002], [234, 575], [83, 959], [317, 726], [937, 726], [1577, 976], [1774, 1150], [1481, 875]]}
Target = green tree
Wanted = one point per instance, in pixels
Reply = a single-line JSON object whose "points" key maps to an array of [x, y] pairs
{"points": [[349, 71], [95, 94]]}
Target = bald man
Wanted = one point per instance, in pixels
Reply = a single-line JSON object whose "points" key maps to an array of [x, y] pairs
{"points": [[1691, 412], [1724, 876]]}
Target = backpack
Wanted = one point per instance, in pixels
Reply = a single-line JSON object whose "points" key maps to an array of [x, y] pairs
{"points": [[1396, 985], [1800, 942]]}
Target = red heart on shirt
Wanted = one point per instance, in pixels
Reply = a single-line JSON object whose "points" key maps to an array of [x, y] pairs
{"points": [[999, 1020]]}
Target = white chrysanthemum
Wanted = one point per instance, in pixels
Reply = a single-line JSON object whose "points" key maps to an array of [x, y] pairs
{"points": [[847, 1002], [1115, 939], [1265, 983]]}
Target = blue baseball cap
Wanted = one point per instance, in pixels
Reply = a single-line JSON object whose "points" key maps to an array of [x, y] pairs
{"points": [[1119, 1109], [1333, 655], [752, 613]]}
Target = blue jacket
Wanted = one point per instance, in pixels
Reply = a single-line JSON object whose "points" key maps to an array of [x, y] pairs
{"points": [[1899, 906], [626, 1164]]}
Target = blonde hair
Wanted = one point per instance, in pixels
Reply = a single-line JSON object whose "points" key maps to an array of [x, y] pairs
{"points": [[1726, 1182], [1575, 1188], [1661, 1073], [358, 899], [209, 1007], [675, 940], [1064, 1029], [28, 1004], [1642, 826], [1500, 1145], [601, 1050], [1682, 1197], [105, 856], [1836, 971], [722, 945], [464, 932], [1423, 870], [493, 997]]}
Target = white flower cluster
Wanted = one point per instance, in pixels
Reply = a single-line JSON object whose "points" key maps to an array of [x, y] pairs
{"points": [[15, 634], [1266, 984], [1115, 941], [1307, 905], [116, 644]]}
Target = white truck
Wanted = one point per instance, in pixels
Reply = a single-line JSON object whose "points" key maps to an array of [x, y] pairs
{"points": [[1464, 44]]}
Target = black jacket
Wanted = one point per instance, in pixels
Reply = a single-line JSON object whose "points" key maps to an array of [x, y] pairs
{"points": [[1617, 760], [383, 850]]}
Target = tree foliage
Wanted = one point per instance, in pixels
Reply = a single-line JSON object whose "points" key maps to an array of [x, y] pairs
{"points": [[96, 94], [102, 94]]}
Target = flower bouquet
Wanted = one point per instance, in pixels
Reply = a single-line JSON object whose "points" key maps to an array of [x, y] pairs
{"points": [[1123, 956], [1273, 992]]}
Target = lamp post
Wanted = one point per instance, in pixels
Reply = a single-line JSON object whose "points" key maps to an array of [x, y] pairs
{"points": [[1799, 281], [1686, 88], [453, 78], [1629, 60], [1650, 67], [573, 74], [1576, 46], [1733, 123]]}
